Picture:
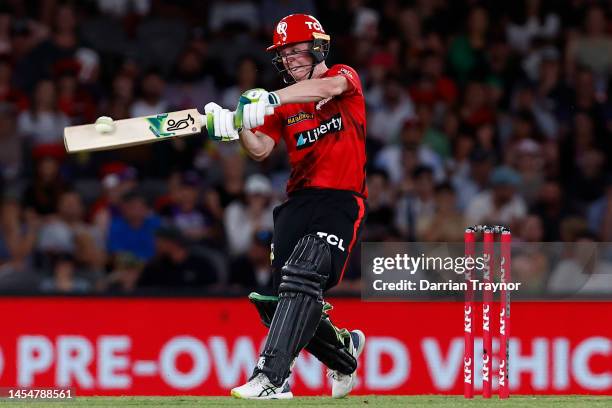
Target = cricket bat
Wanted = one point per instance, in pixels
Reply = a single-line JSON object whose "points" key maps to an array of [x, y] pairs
{"points": [[134, 131]]}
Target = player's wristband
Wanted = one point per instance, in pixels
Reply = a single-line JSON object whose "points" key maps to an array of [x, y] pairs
{"points": [[274, 99]]}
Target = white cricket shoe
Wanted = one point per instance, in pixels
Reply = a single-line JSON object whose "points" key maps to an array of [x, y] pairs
{"points": [[342, 384], [261, 388]]}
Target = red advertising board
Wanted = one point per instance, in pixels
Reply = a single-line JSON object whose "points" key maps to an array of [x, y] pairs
{"points": [[122, 346]]}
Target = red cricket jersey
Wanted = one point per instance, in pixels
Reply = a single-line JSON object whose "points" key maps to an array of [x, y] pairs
{"points": [[325, 139]]}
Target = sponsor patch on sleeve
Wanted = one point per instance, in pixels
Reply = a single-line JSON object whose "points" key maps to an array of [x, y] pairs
{"points": [[299, 117]]}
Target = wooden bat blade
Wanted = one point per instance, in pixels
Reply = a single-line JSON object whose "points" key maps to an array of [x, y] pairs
{"points": [[133, 131]]}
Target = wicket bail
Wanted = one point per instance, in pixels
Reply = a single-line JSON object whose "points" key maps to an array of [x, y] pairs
{"points": [[489, 233]]}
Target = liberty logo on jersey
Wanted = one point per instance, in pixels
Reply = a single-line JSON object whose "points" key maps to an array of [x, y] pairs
{"points": [[310, 136]]}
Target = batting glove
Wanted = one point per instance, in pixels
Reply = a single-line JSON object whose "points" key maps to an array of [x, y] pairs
{"points": [[220, 123], [253, 107]]}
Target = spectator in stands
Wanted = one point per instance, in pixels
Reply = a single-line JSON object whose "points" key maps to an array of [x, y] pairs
{"points": [[68, 234], [231, 186], [43, 123], [543, 120], [500, 204], [551, 208], [38, 63], [17, 237], [8, 93], [190, 86], [433, 138], [474, 174], [252, 270], [467, 53], [476, 109], [124, 276], [6, 14], [73, 100], [65, 245], [123, 89], [586, 100], [386, 121], [151, 101], [244, 218], [395, 158], [43, 192], [433, 88], [133, 229], [416, 208], [236, 22], [64, 278], [175, 264], [589, 178], [600, 214], [531, 262], [380, 65], [584, 271], [10, 143], [532, 22], [186, 212], [246, 78], [592, 49], [552, 92], [447, 223], [381, 199], [117, 179], [529, 162]]}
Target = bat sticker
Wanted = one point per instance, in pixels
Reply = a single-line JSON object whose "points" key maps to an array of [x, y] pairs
{"points": [[181, 124]]}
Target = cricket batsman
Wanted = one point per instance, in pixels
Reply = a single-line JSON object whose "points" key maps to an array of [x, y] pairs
{"points": [[321, 117]]}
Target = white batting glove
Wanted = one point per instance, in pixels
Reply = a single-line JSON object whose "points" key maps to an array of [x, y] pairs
{"points": [[220, 123], [253, 107]]}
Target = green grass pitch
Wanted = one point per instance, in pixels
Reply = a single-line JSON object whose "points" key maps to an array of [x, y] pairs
{"points": [[366, 401]]}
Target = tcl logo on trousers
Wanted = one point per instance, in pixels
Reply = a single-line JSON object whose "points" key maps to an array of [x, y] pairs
{"points": [[332, 240]]}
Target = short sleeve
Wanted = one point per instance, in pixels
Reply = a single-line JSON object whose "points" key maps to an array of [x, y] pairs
{"points": [[350, 74], [272, 125]]}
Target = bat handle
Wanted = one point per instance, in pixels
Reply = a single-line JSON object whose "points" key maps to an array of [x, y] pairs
{"points": [[208, 116]]}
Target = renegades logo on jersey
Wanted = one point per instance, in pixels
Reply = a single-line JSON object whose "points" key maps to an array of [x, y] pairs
{"points": [[310, 136]]}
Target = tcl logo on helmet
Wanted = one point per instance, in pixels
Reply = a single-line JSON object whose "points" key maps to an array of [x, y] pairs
{"points": [[314, 25]]}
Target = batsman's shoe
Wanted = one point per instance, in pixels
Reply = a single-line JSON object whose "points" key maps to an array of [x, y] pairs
{"points": [[260, 387], [342, 384]]}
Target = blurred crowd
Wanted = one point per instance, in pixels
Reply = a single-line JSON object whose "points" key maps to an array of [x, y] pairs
{"points": [[478, 112]]}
